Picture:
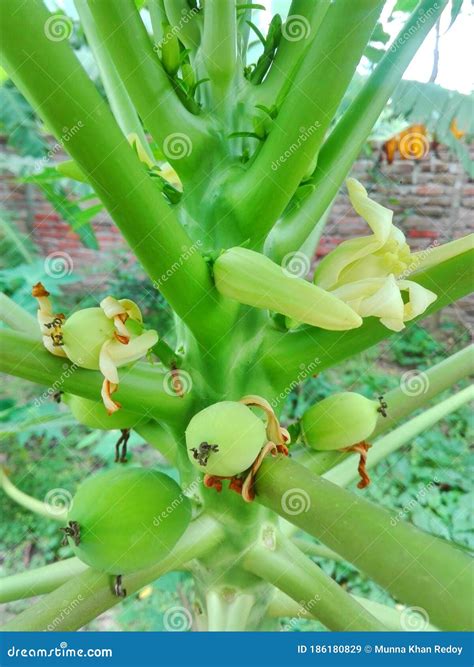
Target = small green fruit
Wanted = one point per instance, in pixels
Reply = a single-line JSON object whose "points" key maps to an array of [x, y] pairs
{"points": [[127, 519], [338, 421], [225, 438], [94, 415], [84, 333]]}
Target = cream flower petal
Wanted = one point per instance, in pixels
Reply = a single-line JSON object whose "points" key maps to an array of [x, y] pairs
{"points": [[355, 252], [107, 365], [121, 354], [375, 297], [419, 299]]}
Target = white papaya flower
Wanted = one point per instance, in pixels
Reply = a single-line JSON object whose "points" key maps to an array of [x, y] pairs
{"points": [[365, 272]]}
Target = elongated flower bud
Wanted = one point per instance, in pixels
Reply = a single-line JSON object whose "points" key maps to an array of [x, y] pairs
{"points": [[253, 279], [170, 55], [338, 421]]}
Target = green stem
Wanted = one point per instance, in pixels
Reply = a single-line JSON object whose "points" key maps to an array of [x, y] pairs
{"points": [[283, 565], [285, 353], [228, 609], [432, 382], [317, 550], [186, 22], [84, 597], [219, 47], [124, 36], [160, 439], [51, 77], [263, 192], [415, 567], [348, 137], [39, 581], [394, 620], [346, 472], [17, 317], [309, 15], [143, 389], [30, 503], [119, 100]]}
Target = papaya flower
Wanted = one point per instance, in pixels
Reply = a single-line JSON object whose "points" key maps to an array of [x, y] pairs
{"points": [[103, 338], [368, 273]]}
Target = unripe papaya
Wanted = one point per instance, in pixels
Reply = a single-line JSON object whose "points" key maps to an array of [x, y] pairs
{"points": [[84, 333], [94, 415], [125, 520], [339, 421], [225, 438], [253, 279]]}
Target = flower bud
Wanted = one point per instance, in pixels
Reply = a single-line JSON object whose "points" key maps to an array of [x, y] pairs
{"points": [[339, 421], [253, 279], [170, 54]]}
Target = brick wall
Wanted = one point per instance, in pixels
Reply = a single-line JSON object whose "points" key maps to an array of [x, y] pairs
{"points": [[432, 198]]}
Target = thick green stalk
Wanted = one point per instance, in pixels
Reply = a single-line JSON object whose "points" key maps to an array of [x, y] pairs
{"points": [[346, 472], [414, 392], [185, 21], [282, 564], [347, 139], [124, 112], [143, 389], [415, 567], [317, 550], [40, 580], [51, 77], [301, 26], [264, 190], [84, 597], [124, 36], [219, 48], [394, 620], [285, 353], [30, 503], [16, 317], [160, 439]]}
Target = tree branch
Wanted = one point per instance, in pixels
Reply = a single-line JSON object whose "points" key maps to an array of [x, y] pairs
{"points": [[219, 48], [283, 565], [40, 580], [186, 21], [142, 387], [28, 502], [415, 567], [345, 142], [263, 192], [89, 594]]}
